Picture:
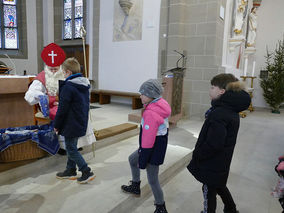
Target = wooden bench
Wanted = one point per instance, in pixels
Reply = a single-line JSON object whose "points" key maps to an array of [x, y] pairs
{"points": [[114, 130], [103, 97]]}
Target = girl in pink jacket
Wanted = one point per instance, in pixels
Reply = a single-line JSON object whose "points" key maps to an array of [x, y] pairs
{"points": [[153, 140]]}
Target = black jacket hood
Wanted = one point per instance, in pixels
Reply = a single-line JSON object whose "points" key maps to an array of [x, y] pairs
{"points": [[235, 98]]}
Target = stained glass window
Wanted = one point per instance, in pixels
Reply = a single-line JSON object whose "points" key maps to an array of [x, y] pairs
{"points": [[78, 24], [68, 29], [67, 9], [10, 16], [9, 38], [73, 18], [78, 8], [11, 2]]}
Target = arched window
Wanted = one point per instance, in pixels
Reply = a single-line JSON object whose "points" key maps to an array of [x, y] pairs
{"points": [[72, 19], [9, 38]]}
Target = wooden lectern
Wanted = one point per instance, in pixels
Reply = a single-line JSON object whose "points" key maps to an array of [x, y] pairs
{"points": [[173, 91]]}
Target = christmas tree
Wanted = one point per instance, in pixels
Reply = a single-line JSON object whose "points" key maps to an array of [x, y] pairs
{"points": [[273, 85]]}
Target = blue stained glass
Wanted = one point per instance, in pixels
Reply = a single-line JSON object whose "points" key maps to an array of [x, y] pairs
{"points": [[67, 29], [78, 24], [11, 2], [11, 38], [67, 9], [78, 8], [10, 16], [67, 14]]}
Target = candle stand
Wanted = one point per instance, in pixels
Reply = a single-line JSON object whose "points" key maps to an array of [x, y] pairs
{"points": [[250, 91]]}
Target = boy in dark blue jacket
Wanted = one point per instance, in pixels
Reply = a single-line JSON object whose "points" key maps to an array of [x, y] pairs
{"points": [[72, 118]]}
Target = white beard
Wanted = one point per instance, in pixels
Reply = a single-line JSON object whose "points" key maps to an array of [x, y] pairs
{"points": [[51, 80]]}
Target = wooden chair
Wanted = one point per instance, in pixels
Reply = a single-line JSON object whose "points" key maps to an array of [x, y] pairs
{"points": [[38, 116]]}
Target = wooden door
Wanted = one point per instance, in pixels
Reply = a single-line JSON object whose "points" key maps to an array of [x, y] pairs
{"points": [[77, 52]]}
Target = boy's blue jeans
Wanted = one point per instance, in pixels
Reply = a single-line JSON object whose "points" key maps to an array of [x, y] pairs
{"points": [[74, 156]]}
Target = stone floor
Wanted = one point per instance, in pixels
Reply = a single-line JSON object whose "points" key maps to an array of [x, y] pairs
{"points": [[260, 142], [252, 176]]}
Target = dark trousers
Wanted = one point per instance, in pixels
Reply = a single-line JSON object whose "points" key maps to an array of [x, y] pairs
{"points": [[152, 175], [73, 155], [209, 194], [281, 201]]}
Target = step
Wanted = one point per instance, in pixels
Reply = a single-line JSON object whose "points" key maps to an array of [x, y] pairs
{"points": [[40, 191], [135, 117], [29, 167], [114, 130]]}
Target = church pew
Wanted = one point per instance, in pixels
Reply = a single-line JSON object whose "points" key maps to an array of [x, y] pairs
{"points": [[104, 96]]}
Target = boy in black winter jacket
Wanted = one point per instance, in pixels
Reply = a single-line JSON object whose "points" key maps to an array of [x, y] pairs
{"points": [[214, 149], [72, 118]]}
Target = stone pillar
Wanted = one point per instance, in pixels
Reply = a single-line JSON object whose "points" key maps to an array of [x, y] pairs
{"points": [[95, 59]]}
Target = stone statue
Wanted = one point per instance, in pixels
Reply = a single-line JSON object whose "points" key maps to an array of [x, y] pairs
{"points": [[252, 28], [125, 6], [240, 15]]}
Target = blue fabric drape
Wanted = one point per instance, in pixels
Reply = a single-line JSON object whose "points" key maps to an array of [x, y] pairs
{"points": [[43, 135]]}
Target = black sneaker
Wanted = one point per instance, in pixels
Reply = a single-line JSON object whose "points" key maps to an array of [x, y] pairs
{"points": [[160, 208], [70, 174], [132, 188], [86, 177], [236, 211], [61, 151]]}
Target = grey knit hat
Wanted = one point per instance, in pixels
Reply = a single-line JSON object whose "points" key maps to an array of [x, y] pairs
{"points": [[151, 88]]}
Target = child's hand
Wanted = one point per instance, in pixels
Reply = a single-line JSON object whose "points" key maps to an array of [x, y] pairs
{"points": [[56, 131], [55, 103]]}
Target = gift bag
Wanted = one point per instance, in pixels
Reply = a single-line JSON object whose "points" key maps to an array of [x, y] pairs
{"points": [[44, 105]]}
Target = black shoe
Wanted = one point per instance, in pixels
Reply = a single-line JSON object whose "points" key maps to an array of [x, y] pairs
{"points": [[133, 188], [160, 208], [70, 174], [61, 151], [236, 211], [87, 176]]}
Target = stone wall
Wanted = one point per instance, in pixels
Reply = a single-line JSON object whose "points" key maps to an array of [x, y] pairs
{"points": [[193, 27]]}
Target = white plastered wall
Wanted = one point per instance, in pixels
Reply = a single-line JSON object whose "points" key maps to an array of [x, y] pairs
{"points": [[125, 65]]}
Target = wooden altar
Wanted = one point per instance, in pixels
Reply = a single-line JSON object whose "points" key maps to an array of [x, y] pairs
{"points": [[14, 110]]}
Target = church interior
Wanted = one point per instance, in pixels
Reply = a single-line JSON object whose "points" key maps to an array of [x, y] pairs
{"points": [[120, 44]]}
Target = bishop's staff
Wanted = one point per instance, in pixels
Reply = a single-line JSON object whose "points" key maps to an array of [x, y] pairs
{"points": [[83, 35]]}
